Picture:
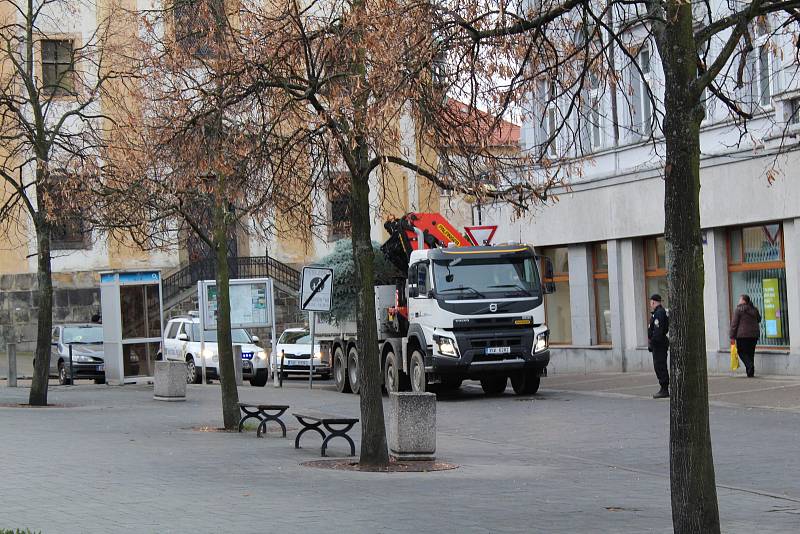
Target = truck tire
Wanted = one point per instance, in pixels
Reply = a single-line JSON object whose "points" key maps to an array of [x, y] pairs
{"points": [[419, 379], [391, 374], [340, 371], [494, 385], [526, 383], [353, 370]]}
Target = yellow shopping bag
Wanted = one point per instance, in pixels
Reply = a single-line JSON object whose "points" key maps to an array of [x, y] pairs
{"points": [[734, 357]]}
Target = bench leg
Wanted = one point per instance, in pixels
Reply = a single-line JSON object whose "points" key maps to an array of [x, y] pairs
{"points": [[341, 433], [306, 427], [262, 427], [248, 415]]}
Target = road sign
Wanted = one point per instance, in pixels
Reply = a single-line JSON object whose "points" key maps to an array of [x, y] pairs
{"points": [[317, 287], [481, 235]]}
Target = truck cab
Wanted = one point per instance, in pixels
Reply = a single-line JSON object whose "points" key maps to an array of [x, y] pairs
{"points": [[476, 313]]}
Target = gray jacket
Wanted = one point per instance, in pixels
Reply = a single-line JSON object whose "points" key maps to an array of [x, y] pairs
{"points": [[745, 322]]}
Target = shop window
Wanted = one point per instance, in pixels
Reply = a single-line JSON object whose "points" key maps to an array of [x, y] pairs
{"points": [[756, 267], [602, 299], [655, 269], [557, 305]]}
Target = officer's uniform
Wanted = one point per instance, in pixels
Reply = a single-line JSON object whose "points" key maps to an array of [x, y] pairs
{"points": [[658, 344]]}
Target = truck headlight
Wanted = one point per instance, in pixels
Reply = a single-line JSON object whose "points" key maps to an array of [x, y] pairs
{"points": [[446, 346], [542, 342]]}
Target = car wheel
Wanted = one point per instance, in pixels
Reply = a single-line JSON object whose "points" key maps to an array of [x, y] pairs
{"points": [[450, 383], [340, 371], [63, 374], [260, 379], [419, 379], [193, 374], [494, 385], [352, 370], [391, 374], [526, 383]]}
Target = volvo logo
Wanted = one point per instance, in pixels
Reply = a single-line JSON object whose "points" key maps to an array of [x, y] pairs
{"points": [[492, 307]]}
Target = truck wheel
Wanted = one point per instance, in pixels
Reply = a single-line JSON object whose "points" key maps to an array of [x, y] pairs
{"points": [[494, 385], [526, 383], [419, 380], [391, 374], [352, 370], [340, 371]]}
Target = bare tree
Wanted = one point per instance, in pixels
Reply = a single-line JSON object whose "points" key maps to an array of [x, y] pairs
{"points": [[51, 133], [198, 151], [658, 65], [352, 72]]}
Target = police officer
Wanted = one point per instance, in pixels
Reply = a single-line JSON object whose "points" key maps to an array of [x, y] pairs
{"points": [[658, 344]]}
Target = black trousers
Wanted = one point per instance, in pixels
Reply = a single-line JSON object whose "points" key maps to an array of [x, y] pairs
{"points": [[660, 365], [747, 353]]}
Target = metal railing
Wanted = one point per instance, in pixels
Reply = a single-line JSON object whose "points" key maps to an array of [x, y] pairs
{"points": [[239, 267]]}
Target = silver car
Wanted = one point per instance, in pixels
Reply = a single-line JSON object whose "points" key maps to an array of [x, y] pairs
{"points": [[87, 353]]}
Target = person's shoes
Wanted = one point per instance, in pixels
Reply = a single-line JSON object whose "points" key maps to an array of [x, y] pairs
{"points": [[662, 393], [751, 373]]}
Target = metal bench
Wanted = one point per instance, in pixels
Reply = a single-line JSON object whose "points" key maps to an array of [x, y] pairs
{"points": [[313, 421], [264, 413]]}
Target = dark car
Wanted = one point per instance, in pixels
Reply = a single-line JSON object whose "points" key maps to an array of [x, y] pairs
{"points": [[87, 353]]}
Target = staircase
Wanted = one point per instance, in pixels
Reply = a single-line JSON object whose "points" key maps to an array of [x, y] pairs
{"points": [[181, 286]]}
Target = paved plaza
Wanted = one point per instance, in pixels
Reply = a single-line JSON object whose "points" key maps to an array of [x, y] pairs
{"points": [[589, 453]]}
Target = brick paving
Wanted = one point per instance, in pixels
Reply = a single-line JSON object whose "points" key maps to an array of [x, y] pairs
{"points": [[575, 458]]}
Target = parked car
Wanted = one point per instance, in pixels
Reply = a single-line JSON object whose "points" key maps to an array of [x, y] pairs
{"points": [[182, 343], [294, 346], [87, 352]]}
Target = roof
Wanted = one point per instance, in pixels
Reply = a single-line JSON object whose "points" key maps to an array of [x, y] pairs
{"points": [[503, 132]]}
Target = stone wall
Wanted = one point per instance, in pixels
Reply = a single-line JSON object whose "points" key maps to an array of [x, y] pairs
{"points": [[76, 297]]}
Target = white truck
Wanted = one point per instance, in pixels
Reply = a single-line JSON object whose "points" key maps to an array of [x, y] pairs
{"points": [[462, 313]]}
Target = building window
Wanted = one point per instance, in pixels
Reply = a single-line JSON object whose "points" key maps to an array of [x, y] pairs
{"points": [[58, 66], [640, 98], [547, 123], [557, 305], [655, 269], [68, 233], [602, 299], [758, 68], [756, 267], [339, 207], [793, 111]]}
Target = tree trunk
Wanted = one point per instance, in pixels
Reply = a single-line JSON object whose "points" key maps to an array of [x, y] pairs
{"points": [[227, 374], [44, 327], [693, 486], [374, 451]]}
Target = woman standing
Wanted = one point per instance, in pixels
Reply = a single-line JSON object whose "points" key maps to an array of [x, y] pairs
{"points": [[745, 332]]}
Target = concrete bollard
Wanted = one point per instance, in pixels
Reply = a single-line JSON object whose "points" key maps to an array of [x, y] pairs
{"points": [[412, 426], [12, 365], [169, 382]]}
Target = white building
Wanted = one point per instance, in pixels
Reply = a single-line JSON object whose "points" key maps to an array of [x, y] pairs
{"points": [[605, 232]]}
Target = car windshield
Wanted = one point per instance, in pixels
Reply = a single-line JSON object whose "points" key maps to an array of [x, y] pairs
{"points": [[238, 335], [296, 338], [463, 278], [83, 334]]}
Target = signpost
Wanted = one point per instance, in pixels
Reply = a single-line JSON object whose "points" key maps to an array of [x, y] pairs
{"points": [[252, 306], [315, 296], [481, 235]]}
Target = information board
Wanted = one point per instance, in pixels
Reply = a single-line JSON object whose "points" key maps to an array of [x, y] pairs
{"points": [[250, 299], [772, 307]]}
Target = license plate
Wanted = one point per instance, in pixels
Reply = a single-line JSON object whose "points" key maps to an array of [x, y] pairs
{"points": [[498, 350], [290, 363], [246, 365], [247, 355], [101, 368]]}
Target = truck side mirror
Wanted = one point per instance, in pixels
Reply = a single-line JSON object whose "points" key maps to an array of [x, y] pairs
{"points": [[549, 286]]}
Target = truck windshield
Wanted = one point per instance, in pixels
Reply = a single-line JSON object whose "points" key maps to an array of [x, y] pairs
{"points": [[486, 278]]}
